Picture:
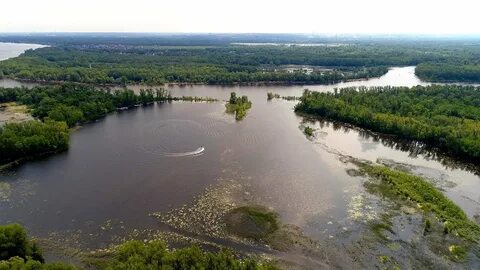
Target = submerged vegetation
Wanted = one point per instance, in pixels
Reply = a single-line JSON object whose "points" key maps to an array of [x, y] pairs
{"points": [[309, 131], [252, 222], [271, 95], [447, 229], [414, 188], [447, 117], [238, 106]]}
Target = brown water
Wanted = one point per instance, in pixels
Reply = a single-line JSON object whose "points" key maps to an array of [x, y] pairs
{"points": [[117, 169]]}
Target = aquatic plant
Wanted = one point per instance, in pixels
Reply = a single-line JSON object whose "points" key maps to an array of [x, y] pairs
{"points": [[309, 131], [252, 222], [415, 189], [271, 96]]}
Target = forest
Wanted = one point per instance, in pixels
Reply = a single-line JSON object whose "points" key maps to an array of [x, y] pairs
{"points": [[447, 117], [157, 65], [32, 138], [17, 251], [222, 59], [448, 72]]}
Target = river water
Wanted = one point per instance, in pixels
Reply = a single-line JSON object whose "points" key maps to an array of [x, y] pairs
{"points": [[116, 168]]}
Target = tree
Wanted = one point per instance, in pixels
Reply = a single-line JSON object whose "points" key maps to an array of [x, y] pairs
{"points": [[69, 114], [233, 98]]}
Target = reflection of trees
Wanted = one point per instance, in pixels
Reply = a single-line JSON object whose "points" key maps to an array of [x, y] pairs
{"points": [[412, 147]]}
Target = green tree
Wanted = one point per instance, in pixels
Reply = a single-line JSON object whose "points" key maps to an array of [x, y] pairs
{"points": [[69, 114]]}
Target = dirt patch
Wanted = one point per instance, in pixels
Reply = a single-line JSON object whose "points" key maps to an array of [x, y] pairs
{"points": [[12, 112]]}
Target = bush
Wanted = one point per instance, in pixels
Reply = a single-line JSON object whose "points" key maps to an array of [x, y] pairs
{"points": [[154, 255], [32, 138], [14, 243]]}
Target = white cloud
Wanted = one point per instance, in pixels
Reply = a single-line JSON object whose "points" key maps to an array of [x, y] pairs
{"points": [[305, 16]]}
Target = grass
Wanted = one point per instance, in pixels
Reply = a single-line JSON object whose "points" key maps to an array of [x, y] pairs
{"points": [[457, 253], [378, 229], [14, 107], [415, 189], [388, 262]]}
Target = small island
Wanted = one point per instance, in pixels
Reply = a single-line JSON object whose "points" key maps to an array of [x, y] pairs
{"points": [[238, 106]]}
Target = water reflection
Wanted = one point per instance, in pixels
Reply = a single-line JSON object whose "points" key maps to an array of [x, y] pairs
{"points": [[459, 179], [369, 141]]}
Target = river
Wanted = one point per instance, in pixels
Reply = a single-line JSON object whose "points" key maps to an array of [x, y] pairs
{"points": [[116, 170]]}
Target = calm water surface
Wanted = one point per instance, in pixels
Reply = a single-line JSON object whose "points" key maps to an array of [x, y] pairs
{"points": [[117, 169], [9, 50]]}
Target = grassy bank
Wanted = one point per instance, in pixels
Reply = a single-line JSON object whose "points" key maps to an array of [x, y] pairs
{"points": [[405, 186]]}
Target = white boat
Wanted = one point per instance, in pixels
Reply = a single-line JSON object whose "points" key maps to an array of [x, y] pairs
{"points": [[199, 151]]}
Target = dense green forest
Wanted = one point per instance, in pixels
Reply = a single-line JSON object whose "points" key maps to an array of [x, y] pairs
{"points": [[32, 138], [216, 65], [221, 59], [447, 117], [18, 252], [448, 72]]}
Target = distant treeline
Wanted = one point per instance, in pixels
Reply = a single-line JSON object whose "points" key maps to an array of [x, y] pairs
{"points": [[440, 72], [156, 59], [447, 117], [61, 107], [219, 65], [200, 39]]}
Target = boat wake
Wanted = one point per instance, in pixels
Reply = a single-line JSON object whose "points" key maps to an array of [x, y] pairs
{"points": [[197, 152]]}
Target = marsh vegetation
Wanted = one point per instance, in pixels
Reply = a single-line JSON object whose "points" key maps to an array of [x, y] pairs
{"points": [[252, 222]]}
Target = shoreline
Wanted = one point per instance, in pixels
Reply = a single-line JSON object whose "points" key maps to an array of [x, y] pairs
{"points": [[167, 84]]}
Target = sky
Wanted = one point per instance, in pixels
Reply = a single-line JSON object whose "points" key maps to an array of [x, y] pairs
{"points": [[243, 16]]}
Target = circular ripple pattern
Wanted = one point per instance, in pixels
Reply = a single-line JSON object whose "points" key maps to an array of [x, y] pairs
{"points": [[179, 137], [216, 127], [173, 138]]}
